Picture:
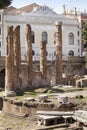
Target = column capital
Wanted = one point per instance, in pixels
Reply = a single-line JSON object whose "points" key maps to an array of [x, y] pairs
{"points": [[58, 23]]}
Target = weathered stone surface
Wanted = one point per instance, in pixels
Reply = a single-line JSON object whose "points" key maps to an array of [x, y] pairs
{"points": [[82, 82], [21, 77], [59, 53], [43, 66], [9, 64], [21, 109], [17, 57], [29, 52]]}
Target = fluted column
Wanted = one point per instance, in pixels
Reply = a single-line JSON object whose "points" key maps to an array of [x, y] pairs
{"points": [[17, 57], [59, 52], [9, 64], [43, 66], [29, 52]]}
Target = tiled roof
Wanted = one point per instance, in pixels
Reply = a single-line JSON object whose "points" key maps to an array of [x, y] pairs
{"points": [[10, 8], [27, 8]]}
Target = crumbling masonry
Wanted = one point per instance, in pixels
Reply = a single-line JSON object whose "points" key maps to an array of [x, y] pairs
{"points": [[9, 64], [59, 53], [19, 76], [29, 52], [43, 67]]}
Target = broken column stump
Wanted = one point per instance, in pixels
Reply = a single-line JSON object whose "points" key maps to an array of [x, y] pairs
{"points": [[43, 66], [29, 53], [9, 65], [59, 53], [17, 57]]}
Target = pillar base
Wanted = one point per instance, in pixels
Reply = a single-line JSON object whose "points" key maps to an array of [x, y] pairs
{"points": [[9, 94]]}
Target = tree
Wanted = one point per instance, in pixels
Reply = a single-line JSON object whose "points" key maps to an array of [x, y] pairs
{"points": [[84, 36], [5, 3]]}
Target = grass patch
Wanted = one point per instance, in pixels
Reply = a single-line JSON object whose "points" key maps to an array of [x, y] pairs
{"points": [[19, 98], [30, 94]]}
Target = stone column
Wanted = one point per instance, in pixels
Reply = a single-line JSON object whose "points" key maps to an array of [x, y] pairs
{"points": [[43, 67], [29, 52], [17, 57], [59, 53], [9, 64]]}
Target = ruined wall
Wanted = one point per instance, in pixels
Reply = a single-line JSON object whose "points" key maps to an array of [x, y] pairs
{"points": [[37, 79], [77, 67], [24, 108], [19, 76]]}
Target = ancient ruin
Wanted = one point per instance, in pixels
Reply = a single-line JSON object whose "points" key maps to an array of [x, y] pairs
{"points": [[43, 90], [16, 72], [59, 53], [20, 76], [17, 57], [29, 53], [43, 67], [9, 64]]}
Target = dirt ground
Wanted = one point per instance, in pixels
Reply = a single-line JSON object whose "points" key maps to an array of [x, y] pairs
{"points": [[10, 122]]}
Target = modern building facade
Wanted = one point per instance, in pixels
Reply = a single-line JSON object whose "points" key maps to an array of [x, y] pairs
{"points": [[42, 20], [81, 16]]}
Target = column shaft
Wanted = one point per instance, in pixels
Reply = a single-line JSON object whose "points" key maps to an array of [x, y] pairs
{"points": [[29, 52], [17, 57], [59, 53], [9, 64], [43, 66]]}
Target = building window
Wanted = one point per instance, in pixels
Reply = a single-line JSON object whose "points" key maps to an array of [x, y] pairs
{"points": [[46, 53], [71, 53], [44, 36], [0, 43], [78, 33], [0, 30], [55, 38], [33, 37], [33, 53], [71, 38], [0, 17]]}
